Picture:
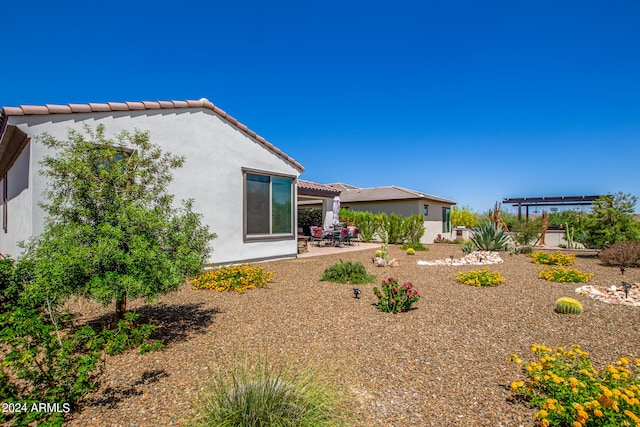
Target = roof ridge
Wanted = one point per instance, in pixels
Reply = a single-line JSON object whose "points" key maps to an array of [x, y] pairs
{"points": [[29, 110]]}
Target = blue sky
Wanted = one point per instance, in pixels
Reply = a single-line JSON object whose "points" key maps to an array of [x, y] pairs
{"points": [[473, 101]]}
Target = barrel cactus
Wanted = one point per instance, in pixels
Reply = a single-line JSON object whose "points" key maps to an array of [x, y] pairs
{"points": [[568, 306]]}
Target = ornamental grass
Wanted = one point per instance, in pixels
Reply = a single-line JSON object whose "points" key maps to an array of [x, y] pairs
{"points": [[556, 258], [482, 277], [569, 391], [258, 393], [562, 274], [237, 278]]}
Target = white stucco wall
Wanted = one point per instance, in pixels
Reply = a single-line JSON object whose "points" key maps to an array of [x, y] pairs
{"points": [[19, 205], [215, 153]]}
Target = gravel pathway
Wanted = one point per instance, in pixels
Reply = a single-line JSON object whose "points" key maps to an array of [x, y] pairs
{"points": [[443, 364]]}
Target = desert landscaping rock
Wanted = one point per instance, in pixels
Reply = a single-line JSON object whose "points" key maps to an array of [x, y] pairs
{"points": [[445, 363]]}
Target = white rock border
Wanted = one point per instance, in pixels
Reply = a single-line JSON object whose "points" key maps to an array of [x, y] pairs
{"points": [[474, 258], [613, 294]]}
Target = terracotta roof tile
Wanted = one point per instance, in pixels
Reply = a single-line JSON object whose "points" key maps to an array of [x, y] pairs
{"points": [[12, 111], [24, 110], [220, 112], [80, 108], [58, 109], [314, 189], [35, 109], [135, 105], [151, 105], [118, 106], [99, 107]]}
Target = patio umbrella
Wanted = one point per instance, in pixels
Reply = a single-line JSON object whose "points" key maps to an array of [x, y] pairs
{"points": [[336, 209]]}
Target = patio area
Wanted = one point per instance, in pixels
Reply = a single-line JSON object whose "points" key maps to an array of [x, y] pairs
{"points": [[313, 250]]}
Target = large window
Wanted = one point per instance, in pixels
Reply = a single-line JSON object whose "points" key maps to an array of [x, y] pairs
{"points": [[446, 220], [268, 206]]}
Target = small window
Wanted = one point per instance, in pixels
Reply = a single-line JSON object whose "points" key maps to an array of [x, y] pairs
{"points": [[268, 211], [425, 210]]}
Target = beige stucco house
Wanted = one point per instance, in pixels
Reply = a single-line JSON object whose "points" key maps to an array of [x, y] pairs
{"points": [[435, 210]]}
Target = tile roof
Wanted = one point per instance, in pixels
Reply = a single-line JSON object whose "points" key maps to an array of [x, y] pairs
{"points": [[391, 192], [342, 186], [27, 110], [309, 188]]}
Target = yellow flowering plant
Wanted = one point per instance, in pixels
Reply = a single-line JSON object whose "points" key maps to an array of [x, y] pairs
{"points": [[563, 274], [238, 278], [569, 391], [482, 277], [556, 258]]}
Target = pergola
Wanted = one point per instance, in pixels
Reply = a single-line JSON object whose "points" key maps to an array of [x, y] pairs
{"points": [[548, 201]]}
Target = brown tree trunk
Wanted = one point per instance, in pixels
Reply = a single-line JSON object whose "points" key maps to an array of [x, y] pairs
{"points": [[545, 226], [121, 308]]}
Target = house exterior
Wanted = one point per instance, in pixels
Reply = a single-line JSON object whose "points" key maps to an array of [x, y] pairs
{"points": [[435, 210], [237, 179]]}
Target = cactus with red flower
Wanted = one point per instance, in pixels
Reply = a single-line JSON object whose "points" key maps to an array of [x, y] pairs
{"points": [[394, 298]]}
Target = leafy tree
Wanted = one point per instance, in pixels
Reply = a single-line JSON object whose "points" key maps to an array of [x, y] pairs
{"points": [[464, 217], [527, 231], [612, 221], [112, 232]]}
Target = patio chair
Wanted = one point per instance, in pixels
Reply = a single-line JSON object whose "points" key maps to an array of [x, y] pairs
{"points": [[317, 235], [352, 235], [342, 237], [327, 232]]}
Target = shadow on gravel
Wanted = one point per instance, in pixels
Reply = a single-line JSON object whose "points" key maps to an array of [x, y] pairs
{"points": [[111, 396], [174, 323]]}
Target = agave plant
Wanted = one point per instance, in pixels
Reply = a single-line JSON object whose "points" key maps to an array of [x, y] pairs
{"points": [[487, 238]]}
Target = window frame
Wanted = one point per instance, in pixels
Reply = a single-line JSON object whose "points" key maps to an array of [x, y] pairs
{"points": [[293, 194]]}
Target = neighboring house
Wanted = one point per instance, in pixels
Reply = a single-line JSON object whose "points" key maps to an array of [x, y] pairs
{"points": [[237, 179], [435, 210]]}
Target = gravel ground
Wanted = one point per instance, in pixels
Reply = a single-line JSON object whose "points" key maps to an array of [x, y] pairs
{"points": [[443, 364]]}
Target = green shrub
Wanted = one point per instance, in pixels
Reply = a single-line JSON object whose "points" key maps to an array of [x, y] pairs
{"points": [[487, 238], [568, 306], [128, 335], [367, 225], [527, 231], [562, 274], [394, 298], [308, 217], [416, 246], [568, 391], [414, 229], [258, 394], [623, 253], [44, 358], [468, 248], [556, 258], [237, 278], [397, 230], [482, 277], [347, 272]]}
